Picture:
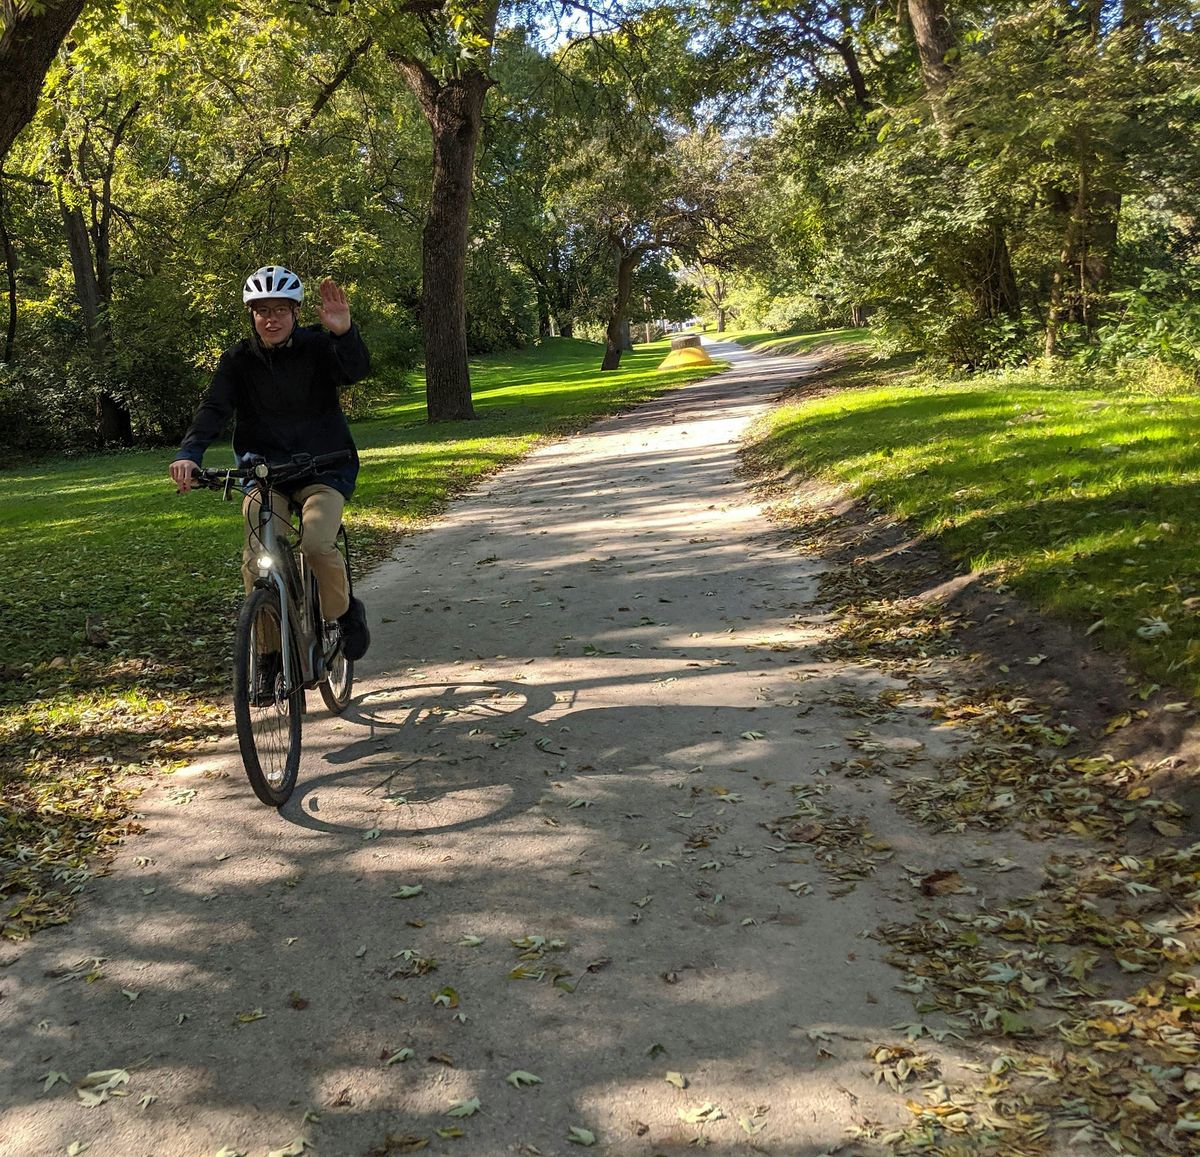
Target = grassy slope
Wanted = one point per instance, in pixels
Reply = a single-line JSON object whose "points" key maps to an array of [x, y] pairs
{"points": [[796, 341], [1082, 499]]}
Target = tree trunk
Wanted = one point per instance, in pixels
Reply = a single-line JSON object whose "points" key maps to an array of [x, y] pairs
{"points": [[988, 264], [618, 327], [1059, 310], [990, 273], [10, 267], [1104, 214], [454, 110], [720, 319], [566, 326], [27, 47], [114, 423], [935, 38], [83, 272]]}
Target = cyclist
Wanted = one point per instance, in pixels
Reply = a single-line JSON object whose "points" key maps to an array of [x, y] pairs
{"points": [[281, 385]]}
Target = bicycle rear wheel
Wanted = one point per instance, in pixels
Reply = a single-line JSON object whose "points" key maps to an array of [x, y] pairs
{"points": [[268, 719], [338, 682]]}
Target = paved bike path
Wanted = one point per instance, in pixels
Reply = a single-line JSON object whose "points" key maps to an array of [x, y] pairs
{"points": [[592, 684]]}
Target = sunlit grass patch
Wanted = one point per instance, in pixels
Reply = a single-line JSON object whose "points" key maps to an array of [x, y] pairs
{"points": [[796, 341], [1081, 498]]}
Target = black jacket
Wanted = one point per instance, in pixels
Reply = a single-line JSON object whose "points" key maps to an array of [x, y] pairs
{"points": [[285, 400]]}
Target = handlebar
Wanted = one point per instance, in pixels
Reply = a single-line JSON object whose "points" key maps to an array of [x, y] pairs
{"points": [[273, 473]]}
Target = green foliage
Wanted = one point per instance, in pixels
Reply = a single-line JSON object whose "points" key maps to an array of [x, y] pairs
{"points": [[194, 158], [1077, 494], [501, 307], [1159, 319]]}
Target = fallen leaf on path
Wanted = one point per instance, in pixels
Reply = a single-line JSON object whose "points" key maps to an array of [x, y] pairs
{"points": [[400, 1056], [464, 1107], [97, 1086], [471, 941], [447, 997], [77, 1147], [579, 1136], [252, 1015], [293, 1148], [943, 882], [676, 1079], [229, 1151], [450, 1132], [408, 891], [701, 1114], [398, 1143], [519, 1077], [52, 1078]]}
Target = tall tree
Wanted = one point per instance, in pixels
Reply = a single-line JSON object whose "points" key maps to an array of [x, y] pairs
{"points": [[446, 69], [30, 35]]}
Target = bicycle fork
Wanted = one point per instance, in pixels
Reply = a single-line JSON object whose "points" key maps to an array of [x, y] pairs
{"points": [[272, 571]]}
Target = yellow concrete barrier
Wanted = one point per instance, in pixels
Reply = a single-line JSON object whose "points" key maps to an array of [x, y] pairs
{"points": [[690, 356]]}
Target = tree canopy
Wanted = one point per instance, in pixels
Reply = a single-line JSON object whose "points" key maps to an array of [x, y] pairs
{"points": [[984, 183]]}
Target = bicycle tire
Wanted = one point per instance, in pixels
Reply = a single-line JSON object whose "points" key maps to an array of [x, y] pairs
{"points": [[268, 721], [338, 682]]}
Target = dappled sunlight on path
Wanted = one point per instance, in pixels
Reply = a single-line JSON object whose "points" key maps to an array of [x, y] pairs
{"points": [[545, 837]]}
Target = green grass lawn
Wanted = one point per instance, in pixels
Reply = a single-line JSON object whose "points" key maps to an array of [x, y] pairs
{"points": [[796, 341], [1082, 498]]}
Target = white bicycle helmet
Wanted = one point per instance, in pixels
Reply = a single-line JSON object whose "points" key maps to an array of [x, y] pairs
{"points": [[272, 281]]}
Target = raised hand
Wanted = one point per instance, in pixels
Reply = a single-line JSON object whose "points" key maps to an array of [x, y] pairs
{"points": [[334, 309]]}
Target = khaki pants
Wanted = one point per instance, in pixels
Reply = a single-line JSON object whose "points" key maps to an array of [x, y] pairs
{"points": [[320, 517]]}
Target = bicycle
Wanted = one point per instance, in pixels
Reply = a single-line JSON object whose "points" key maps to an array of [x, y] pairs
{"points": [[283, 647]]}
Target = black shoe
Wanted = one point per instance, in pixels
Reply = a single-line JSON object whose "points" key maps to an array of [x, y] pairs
{"points": [[268, 669], [355, 636]]}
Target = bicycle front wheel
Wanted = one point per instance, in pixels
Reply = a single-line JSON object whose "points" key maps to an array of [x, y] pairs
{"points": [[268, 719]]}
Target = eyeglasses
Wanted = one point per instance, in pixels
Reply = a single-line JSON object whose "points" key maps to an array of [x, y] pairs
{"points": [[260, 310]]}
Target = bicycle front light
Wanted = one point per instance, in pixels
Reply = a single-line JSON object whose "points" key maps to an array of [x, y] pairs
{"points": [[264, 562]]}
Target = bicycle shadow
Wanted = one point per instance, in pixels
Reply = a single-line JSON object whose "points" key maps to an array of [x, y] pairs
{"points": [[423, 759]]}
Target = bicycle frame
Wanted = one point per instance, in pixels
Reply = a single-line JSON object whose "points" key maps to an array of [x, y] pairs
{"points": [[297, 608]]}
